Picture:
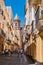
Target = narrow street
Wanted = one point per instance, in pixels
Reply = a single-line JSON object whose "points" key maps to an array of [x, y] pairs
{"points": [[15, 59], [21, 32]]}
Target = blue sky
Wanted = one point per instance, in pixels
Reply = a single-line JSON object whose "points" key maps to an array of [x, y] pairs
{"points": [[17, 7]]}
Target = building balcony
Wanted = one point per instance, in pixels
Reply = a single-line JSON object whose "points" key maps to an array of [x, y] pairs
{"points": [[39, 20], [32, 2], [40, 25], [39, 28], [35, 2]]}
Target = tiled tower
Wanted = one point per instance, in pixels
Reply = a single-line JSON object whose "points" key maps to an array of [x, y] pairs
{"points": [[17, 34]]}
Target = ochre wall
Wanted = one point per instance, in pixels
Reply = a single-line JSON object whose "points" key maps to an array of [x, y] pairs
{"points": [[31, 50], [35, 2], [39, 49], [36, 49], [1, 47]]}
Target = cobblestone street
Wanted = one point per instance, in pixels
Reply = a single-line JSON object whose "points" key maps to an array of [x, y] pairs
{"points": [[15, 59]]}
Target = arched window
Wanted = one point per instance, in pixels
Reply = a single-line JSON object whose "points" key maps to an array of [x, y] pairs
{"points": [[15, 24]]}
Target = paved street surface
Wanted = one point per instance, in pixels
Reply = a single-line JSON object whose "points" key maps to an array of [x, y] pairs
{"points": [[15, 59]]}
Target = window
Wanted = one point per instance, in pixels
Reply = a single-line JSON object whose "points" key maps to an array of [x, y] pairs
{"points": [[0, 9], [42, 11], [41, 14], [28, 27], [0, 6], [32, 26], [4, 17], [15, 24]]}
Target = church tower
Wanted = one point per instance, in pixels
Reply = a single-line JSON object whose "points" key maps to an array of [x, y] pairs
{"points": [[17, 32], [16, 22]]}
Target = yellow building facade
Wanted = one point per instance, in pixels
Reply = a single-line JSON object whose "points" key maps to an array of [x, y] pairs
{"points": [[35, 49], [5, 21]]}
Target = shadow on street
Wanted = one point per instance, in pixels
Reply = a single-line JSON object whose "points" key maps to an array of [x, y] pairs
{"points": [[15, 59]]}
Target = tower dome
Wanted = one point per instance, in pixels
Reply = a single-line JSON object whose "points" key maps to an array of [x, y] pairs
{"points": [[16, 17]]}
